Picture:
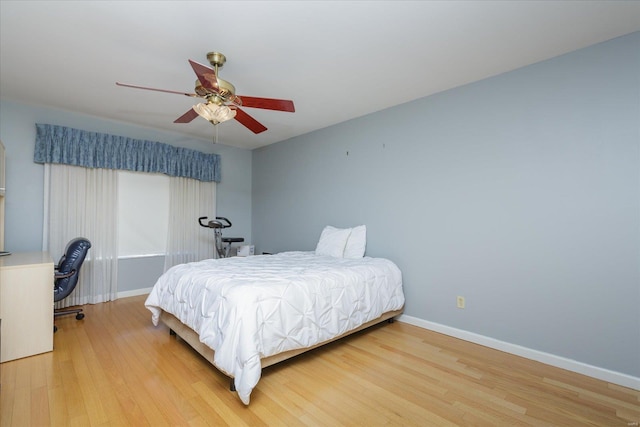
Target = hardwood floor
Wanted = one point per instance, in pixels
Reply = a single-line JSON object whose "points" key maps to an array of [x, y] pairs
{"points": [[114, 368]]}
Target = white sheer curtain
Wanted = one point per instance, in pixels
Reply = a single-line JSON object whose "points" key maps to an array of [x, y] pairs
{"points": [[187, 241], [82, 202]]}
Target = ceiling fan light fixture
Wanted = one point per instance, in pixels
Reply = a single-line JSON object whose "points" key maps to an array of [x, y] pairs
{"points": [[214, 113]]}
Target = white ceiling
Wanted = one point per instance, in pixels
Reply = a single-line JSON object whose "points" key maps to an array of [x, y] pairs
{"points": [[335, 60]]}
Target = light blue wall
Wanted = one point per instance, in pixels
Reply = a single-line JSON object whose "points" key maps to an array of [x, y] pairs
{"points": [[520, 193], [24, 181]]}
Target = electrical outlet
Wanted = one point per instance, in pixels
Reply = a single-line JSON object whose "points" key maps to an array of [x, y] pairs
{"points": [[460, 302]]}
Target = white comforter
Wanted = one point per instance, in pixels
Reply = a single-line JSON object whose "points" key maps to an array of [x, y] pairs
{"points": [[254, 307]]}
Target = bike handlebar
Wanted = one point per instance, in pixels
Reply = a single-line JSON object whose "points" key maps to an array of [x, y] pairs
{"points": [[215, 223]]}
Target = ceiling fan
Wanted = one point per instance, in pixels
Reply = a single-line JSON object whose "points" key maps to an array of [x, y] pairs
{"points": [[221, 102]]}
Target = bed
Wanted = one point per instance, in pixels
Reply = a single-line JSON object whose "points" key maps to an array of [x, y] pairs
{"points": [[246, 313]]}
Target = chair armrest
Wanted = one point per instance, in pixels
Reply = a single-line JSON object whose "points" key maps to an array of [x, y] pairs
{"points": [[65, 275]]}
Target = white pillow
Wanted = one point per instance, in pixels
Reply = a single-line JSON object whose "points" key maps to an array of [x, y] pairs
{"points": [[356, 243], [333, 241]]}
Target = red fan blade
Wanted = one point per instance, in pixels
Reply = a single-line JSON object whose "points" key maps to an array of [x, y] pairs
{"points": [[159, 90], [267, 103], [206, 76], [252, 124], [187, 117]]}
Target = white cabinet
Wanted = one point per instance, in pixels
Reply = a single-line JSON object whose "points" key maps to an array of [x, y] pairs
{"points": [[26, 305]]}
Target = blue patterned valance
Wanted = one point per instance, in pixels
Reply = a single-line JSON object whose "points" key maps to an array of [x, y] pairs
{"points": [[59, 144]]}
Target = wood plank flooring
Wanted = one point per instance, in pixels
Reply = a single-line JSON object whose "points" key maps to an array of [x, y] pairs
{"points": [[114, 368]]}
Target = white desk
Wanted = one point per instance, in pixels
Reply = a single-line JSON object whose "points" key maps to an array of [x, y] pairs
{"points": [[26, 305]]}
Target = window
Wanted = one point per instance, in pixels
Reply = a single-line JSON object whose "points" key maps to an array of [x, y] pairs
{"points": [[143, 214]]}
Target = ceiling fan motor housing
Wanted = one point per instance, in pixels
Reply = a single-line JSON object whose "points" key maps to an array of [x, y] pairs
{"points": [[226, 92]]}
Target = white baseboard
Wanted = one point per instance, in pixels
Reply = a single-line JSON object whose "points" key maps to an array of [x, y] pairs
{"points": [[134, 293], [539, 356]]}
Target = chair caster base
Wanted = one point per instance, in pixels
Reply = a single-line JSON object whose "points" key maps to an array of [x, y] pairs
{"points": [[77, 312]]}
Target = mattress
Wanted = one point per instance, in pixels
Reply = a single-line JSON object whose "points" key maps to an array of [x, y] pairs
{"points": [[248, 308]]}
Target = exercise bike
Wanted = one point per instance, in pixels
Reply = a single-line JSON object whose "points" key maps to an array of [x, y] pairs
{"points": [[223, 244]]}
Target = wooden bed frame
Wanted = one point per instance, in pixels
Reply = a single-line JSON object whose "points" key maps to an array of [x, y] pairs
{"points": [[176, 327]]}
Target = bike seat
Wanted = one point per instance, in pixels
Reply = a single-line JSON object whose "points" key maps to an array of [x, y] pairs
{"points": [[233, 239]]}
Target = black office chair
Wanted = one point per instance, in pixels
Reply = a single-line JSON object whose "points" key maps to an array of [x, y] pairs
{"points": [[66, 275]]}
